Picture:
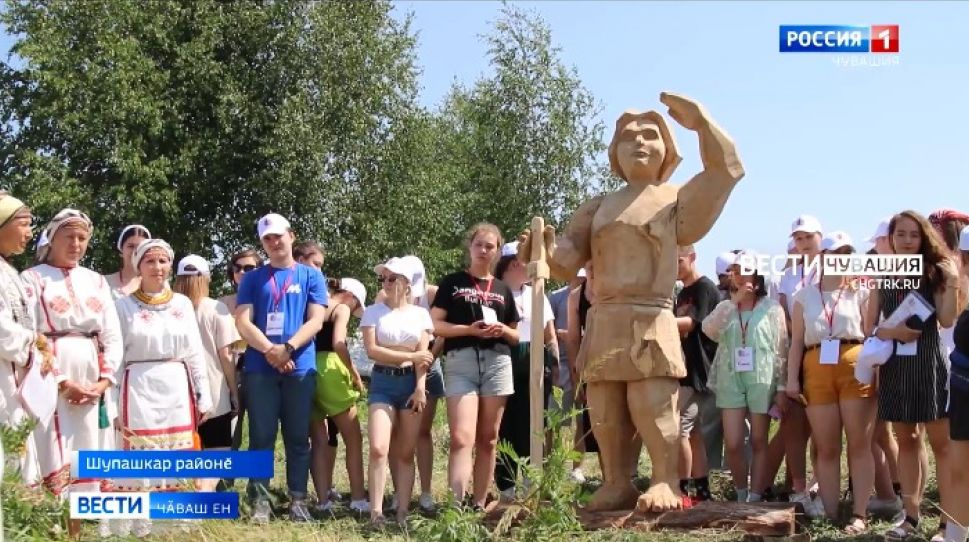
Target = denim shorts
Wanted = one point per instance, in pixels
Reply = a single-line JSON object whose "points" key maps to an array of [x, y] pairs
{"points": [[393, 390], [486, 372], [434, 382]]}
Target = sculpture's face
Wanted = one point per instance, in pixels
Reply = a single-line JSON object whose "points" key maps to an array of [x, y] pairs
{"points": [[640, 150]]}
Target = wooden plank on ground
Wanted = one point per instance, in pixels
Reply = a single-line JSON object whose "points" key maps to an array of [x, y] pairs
{"points": [[761, 520], [767, 519]]}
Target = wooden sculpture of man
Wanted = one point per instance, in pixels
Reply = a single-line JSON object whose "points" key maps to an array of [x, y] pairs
{"points": [[630, 357]]}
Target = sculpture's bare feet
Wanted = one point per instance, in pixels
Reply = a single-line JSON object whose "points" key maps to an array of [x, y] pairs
{"points": [[659, 498], [613, 497]]}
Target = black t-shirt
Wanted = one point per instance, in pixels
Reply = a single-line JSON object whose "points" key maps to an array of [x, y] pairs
{"points": [[697, 301], [462, 296]]}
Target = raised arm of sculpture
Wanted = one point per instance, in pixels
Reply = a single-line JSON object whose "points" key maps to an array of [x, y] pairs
{"points": [[702, 198]]}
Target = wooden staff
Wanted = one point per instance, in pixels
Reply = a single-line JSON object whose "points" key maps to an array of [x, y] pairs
{"points": [[537, 272]]}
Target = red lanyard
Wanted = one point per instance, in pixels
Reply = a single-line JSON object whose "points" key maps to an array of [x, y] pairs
{"points": [[482, 294], [824, 307], [278, 293], [744, 326]]}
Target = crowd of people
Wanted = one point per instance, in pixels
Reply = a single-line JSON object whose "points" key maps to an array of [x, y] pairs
{"points": [[141, 362]]}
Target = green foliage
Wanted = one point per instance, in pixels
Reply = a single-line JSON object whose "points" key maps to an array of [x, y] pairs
{"points": [[454, 523], [547, 510], [527, 139], [195, 117], [28, 514]]}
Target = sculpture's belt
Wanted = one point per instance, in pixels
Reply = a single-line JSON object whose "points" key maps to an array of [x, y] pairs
{"points": [[659, 303]]}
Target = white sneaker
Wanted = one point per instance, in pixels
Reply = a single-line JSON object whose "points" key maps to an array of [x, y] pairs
{"points": [[298, 512], [577, 476], [141, 527], [334, 495], [325, 506], [363, 506], [260, 512], [426, 502], [120, 527], [811, 508], [886, 508]]}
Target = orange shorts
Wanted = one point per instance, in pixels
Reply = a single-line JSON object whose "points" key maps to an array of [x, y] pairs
{"points": [[827, 384]]}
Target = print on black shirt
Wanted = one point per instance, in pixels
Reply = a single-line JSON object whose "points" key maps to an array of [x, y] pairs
{"points": [[462, 296]]}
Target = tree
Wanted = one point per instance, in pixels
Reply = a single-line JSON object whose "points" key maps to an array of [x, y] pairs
{"points": [[527, 137], [197, 117]]}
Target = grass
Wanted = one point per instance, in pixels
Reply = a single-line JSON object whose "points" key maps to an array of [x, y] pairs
{"points": [[344, 527]]}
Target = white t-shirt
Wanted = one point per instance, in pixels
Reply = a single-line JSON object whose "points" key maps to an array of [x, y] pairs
{"points": [[844, 308], [400, 327], [218, 330], [523, 299], [792, 281]]}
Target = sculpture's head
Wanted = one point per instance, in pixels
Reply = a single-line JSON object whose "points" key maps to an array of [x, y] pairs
{"points": [[643, 148]]}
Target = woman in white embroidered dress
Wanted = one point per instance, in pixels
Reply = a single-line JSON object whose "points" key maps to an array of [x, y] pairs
{"points": [[126, 280], [164, 384], [20, 344], [17, 335], [74, 309]]}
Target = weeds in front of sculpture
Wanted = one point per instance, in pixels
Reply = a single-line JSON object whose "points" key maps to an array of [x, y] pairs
{"points": [[545, 504], [545, 509]]}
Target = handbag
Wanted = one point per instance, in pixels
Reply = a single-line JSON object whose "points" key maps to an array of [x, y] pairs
{"points": [[874, 352]]}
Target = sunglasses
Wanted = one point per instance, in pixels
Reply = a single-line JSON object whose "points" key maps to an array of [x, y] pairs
{"points": [[243, 268], [391, 279]]}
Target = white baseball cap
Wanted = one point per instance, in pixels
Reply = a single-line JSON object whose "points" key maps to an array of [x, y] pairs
{"points": [[509, 249], [192, 265], [724, 261], [881, 231], [964, 239], [835, 240], [357, 289], [399, 266], [807, 224], [418, 286], [748, 257], [273, 224]]}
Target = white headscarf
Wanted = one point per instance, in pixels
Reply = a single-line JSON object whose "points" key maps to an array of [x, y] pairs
{"points": [[61, 219], [147, 245]]}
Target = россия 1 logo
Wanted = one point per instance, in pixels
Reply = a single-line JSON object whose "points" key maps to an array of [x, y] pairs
{"points": [[839, 39]]}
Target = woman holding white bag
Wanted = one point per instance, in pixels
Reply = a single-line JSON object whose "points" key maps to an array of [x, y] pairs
{"points": [[913, 389]]}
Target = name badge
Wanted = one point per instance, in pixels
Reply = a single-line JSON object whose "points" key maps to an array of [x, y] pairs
{"points": [[907, 349], [274, 323], [743, 359], [830, 351], [489, 315]]}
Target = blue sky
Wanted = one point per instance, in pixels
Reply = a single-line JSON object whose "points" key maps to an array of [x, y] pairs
{"points": [[850, 145]]}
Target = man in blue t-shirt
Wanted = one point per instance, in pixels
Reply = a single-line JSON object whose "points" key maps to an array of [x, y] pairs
{"points": [[280, 309]]}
